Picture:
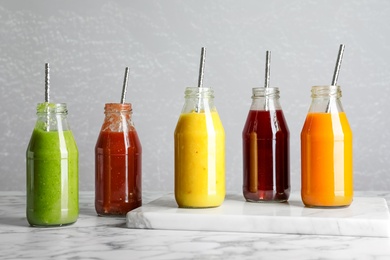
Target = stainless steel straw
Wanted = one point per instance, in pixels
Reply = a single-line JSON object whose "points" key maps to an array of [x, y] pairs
{"points": [[267, 77], [336, 71], [124, 89], [267, 68], [47, 94], [338, 65], [201, 74], [47, 83]]}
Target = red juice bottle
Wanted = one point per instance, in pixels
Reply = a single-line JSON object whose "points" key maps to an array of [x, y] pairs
{"points": [[117, 163], [266, 155]]}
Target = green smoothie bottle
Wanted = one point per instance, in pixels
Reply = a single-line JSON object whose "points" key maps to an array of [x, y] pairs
{"points": [[52, 169]]}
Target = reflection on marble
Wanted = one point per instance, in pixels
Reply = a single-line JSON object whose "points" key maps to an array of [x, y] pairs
{"points": [[365, 217], [93, 237]]}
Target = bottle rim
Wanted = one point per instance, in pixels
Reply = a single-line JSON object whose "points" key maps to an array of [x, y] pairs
{"points": [[198, 92], [117, 107], [47, 107], [326, 91], [265, 92]]}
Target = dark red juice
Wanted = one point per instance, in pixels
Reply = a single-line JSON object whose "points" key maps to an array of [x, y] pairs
{"points": [[118, 173], [266, 159]]}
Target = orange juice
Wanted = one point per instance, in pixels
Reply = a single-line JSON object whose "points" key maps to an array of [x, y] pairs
{"points": [[199, 160], [326, 160]]}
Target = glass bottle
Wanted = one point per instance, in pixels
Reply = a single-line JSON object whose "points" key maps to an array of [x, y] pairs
{"points": [[52, 169], [326, 151], [118, 163], [266, 152], [199, 152]]}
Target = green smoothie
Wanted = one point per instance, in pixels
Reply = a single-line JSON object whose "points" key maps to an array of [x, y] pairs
{"points": [[52, 178]]}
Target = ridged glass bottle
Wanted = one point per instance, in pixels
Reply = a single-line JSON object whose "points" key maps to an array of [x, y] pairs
{"points": [[266, 149], [199, 152], [52, 169], [326, 151], [118, 163]]}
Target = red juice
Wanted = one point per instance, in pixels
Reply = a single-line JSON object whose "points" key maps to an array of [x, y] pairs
{"points": [[118, 172], [266, 159]]}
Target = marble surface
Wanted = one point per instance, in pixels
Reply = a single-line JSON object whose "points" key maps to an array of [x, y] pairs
{"points": [[366, 216], [93, 237]]}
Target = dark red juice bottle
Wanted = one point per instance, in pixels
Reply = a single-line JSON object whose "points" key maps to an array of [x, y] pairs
{"points": [[266, 158], [117, 163]]}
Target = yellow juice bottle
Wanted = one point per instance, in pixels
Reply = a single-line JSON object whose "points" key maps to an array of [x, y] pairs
{"points": [[199, 152]]}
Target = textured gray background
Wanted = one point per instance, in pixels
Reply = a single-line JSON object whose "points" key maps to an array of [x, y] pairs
{"points": [[89, 43]]}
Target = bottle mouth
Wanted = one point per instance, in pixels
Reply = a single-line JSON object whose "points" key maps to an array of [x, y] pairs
{"points": [[265, 92], [47, 108], [117, 107], [326, 91], [196, 92]]}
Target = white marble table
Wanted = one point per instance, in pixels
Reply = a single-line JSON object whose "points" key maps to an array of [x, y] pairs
{"points": [[93, 237]]}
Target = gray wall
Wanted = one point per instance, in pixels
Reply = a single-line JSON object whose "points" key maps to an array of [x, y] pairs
{"points": [[89, 43]]}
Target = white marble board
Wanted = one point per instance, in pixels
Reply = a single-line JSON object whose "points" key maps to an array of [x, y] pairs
{"points": [[367, 216]]}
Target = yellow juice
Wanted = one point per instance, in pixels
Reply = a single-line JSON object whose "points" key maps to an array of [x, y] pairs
{"points": [[199, 160]]}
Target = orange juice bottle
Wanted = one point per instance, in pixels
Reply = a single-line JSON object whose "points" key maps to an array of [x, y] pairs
{"points": [[199, 152], [326, 151]]}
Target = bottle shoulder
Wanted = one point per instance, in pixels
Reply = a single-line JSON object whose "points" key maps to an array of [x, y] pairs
{"points": [[52, 142], [118, 142], [326, 124], [266, 123], [199, 122]]}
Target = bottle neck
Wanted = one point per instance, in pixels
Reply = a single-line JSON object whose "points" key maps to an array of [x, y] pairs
{"points": [[119, 108], [52, 108], [265, 99], [326, 99], [52, 117], [117, 117], [199, 100]]}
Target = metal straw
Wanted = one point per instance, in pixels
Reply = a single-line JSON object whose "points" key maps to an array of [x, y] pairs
{"points": [[201, 74], [267, 78], [336, 71], [124, 89], [201, 67], [47, 94], [338, 65], [47, 83], [267, 68]]}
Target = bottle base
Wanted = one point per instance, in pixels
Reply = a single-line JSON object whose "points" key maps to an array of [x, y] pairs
{"points": [[267, 196], [51, 219], [116, 209], [114, 214], [326, 201], [198, 207], [201, 202], [46, 225], [327, 207], [266, 201]]}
